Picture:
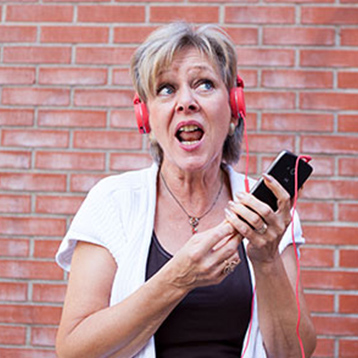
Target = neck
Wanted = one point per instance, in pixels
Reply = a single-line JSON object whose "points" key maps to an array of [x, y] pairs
{"points": [[196, 191]]}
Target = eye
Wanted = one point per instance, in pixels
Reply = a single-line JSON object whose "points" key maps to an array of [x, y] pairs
{"points": [[165, 90], [205, 85]]}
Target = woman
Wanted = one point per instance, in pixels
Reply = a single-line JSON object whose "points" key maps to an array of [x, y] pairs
{"points": [[158, 262]]}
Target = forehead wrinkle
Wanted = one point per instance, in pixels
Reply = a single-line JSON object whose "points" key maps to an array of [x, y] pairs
{"points": [[195, 69], [201, 62]]}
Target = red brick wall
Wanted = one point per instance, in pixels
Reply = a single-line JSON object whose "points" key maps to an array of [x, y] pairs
{"points": [[66, 121]]}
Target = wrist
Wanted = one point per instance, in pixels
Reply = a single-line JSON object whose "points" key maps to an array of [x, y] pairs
{"points": [[268, 267], [174, 285]]}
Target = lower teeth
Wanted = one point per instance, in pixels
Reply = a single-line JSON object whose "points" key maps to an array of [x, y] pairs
{"points": [[190, 142]]}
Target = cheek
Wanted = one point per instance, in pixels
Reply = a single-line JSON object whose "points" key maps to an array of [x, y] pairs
{"points": [[159, 125], [153, 118], [224, 114], [158, 114], [223, 104]]}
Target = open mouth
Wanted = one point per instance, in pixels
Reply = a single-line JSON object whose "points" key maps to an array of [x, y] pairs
{"points": [[189, 134]]}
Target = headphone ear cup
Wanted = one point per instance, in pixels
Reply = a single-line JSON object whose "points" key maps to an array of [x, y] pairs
{"points": [[141, 115], [237, 99]]}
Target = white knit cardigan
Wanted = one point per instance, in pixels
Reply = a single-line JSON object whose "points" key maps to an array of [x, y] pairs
{"points": [[118, 213]]}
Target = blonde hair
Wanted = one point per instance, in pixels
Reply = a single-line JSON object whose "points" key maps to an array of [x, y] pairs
{"points": [[157, 53]]}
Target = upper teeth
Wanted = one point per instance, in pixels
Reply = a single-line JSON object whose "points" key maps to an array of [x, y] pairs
{"points": [[189, 128]]}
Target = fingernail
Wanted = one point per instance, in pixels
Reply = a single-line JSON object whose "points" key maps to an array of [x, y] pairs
{"points": [[267, 177], [231, 203], [240, 195]]}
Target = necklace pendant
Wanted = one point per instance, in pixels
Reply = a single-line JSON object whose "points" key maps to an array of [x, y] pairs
{"points": [[194, 222]]}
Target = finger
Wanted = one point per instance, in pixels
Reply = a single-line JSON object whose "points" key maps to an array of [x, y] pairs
{"points": [[255, 204], [259, 213], [214, 236], [229, 265], [224, 241], [243, 228], [227, 250], [249, 214], [225, 267], [283, 197]]}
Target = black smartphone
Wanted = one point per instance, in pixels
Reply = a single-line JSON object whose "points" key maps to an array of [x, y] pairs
{"points": [[283, 170]]}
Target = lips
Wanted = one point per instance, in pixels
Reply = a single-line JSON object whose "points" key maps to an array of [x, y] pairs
{"points": [[189, 134]]}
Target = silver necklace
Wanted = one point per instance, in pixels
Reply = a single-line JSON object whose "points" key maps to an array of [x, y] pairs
{"points": [[194, 220]]}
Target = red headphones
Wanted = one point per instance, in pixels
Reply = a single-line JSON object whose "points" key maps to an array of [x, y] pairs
{"points": [[237, 104]]}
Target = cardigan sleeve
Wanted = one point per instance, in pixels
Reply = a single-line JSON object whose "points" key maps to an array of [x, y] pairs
{"points": [[96, 222]]}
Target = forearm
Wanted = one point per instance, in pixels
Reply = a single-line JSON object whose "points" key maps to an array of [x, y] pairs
{"points": [[277, 311], [89, 328], [123, 329]]}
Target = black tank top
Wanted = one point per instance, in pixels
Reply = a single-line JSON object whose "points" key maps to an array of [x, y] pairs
{"points": [[210, 322]]}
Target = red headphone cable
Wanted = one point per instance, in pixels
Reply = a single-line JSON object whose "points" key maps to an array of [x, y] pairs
{"points": [[247, 189], [307, 159]]}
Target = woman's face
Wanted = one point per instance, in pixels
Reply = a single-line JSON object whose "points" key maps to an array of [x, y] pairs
{"points": [[190, 112]]}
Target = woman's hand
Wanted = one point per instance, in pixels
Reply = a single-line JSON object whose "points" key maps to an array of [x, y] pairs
{"points": [[205, 258], [257, 222]]}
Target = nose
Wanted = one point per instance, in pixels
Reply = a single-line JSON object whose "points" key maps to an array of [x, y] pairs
{"points": [[186, 102]]}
